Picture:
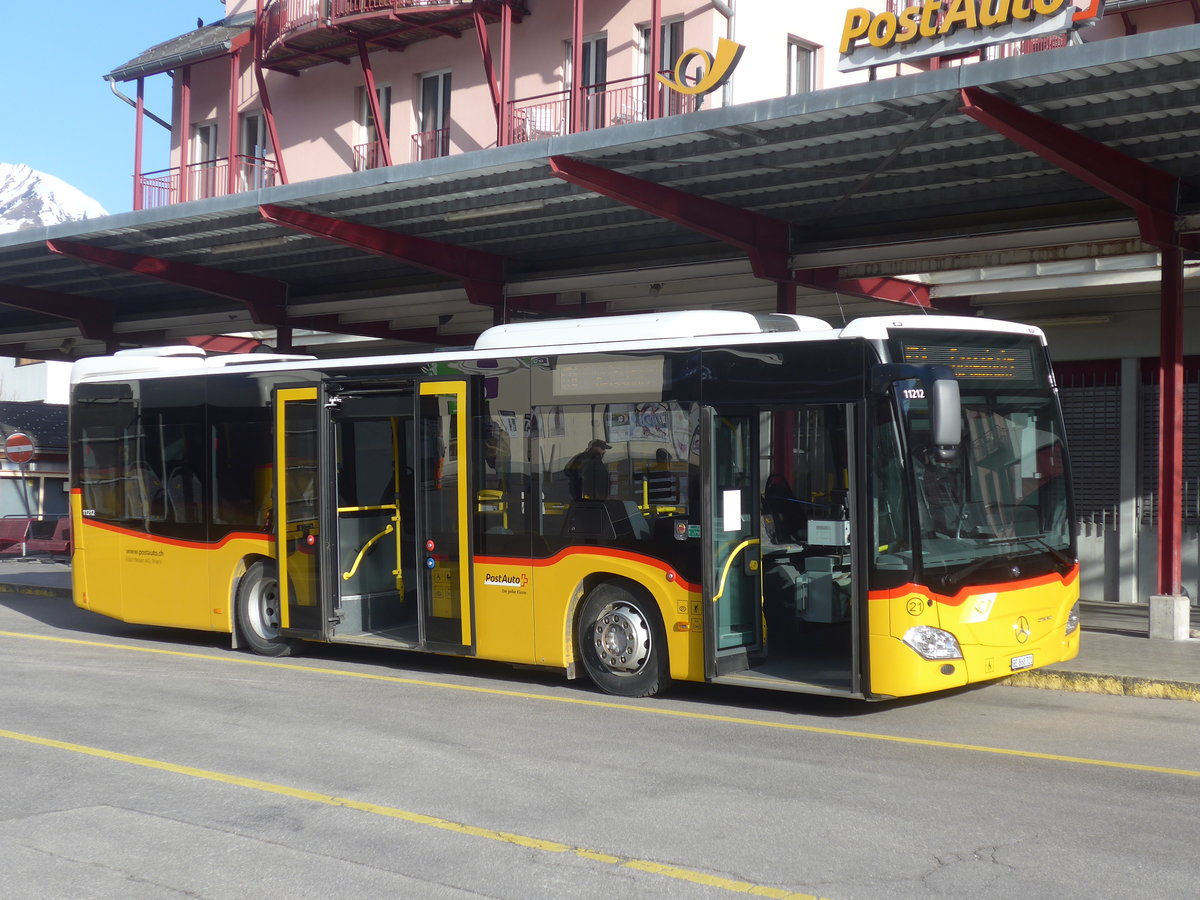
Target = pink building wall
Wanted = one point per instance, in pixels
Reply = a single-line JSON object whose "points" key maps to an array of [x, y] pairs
{"points": [[317, 113]]}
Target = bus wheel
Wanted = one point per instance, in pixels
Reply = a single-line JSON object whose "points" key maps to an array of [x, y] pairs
{"points": [[258, 611], [622, 643]]}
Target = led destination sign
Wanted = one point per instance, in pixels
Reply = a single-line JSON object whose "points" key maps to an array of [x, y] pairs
{"points": [[941, 27]]}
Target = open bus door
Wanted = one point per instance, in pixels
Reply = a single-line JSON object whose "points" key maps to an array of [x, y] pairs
{"points": [[784, 606], [373, 536], [298, 455], [732, 551]]}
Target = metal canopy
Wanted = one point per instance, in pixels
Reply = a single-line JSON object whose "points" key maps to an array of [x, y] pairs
{"points": [[877, 180]]}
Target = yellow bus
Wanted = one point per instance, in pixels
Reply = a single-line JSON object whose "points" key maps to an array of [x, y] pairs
{"points": [[871, 511]]}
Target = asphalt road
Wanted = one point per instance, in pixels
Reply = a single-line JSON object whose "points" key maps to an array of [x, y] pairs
{"points": [[147, 763]]}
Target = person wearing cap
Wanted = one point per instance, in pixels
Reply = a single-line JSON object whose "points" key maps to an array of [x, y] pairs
{"points": [[586, 473]]}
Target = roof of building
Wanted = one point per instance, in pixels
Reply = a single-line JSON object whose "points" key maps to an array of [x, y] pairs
{"points": [[881, 178], [206, 42]]}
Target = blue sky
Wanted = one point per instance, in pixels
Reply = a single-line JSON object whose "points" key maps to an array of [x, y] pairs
{"points": [[59, 115]]}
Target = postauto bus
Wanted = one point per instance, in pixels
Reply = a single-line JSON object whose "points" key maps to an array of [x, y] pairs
{"points": [[715, 496]]}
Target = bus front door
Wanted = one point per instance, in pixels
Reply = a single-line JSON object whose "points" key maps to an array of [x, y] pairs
{"points": [[297, 513], [732, 551]]}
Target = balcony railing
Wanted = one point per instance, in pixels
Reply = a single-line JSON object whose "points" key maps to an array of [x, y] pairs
{"points": [[368, 156], [284, 17], [430, 144], [202, 181], [616, 102]]}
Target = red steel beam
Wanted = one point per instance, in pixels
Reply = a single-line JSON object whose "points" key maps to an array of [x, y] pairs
{"points": [[333, 325], [654, 95], [481, 274], [764, 239], [489, 70], [265, 298], [93, 317], [381, 132], [882, 288], [1170, 426], [1151, 193], [576, 87]]}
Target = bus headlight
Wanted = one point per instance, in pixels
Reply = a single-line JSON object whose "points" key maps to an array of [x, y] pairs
{"points": [[1073, 618], [933, 643]]}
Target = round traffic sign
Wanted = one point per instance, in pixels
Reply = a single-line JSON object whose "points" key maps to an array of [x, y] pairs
{"points": [[18, 447]]}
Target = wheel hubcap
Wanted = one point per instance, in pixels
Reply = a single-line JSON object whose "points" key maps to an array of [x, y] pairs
{"points": [[622, 639], [265, 611]]}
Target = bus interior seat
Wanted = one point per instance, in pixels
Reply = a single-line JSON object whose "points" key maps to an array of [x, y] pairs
{"points": [[606, 520]]}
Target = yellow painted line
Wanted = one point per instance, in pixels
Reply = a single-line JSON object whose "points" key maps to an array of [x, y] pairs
{"points": [[507, 837], [628, 707]]}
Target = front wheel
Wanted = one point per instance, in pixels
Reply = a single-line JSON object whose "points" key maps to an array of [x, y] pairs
{"points": [[258, 611], [622, 642]]}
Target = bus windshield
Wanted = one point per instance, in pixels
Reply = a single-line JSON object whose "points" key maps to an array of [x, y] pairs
{"points": [[998, 510]]}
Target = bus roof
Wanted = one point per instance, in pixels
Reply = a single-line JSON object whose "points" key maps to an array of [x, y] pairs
{"points": [[632, 332]]}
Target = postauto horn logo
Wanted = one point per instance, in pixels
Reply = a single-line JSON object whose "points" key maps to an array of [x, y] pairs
{"points": [[714, 73]]}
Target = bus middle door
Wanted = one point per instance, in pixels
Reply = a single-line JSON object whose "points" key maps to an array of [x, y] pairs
{"points": [[444, 520]]}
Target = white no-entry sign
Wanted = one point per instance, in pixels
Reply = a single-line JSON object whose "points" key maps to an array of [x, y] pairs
{"points": [[18, 447]]}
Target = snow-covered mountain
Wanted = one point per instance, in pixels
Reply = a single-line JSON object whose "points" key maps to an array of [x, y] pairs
{"points": [[29, 199]]}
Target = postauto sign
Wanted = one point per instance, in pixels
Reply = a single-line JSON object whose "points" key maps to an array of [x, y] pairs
{"points": [[942, 27]]}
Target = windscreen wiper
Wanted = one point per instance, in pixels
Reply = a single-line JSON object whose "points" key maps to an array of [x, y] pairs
{"points": [[956, 578]]}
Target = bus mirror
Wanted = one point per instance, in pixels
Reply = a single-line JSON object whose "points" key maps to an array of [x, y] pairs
{"points": [[945, 418], [939, 388]]}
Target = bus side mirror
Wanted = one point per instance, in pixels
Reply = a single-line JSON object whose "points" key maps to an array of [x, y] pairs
{"points": [[939, 388]]}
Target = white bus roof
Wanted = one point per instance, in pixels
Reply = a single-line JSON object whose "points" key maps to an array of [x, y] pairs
{"points": [[556, 336]]}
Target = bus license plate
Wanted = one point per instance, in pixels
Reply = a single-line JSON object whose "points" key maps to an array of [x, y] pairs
{"points": [[1021, 662]]}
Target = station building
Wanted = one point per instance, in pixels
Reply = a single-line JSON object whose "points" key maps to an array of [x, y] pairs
{"points": [[357, 176]]}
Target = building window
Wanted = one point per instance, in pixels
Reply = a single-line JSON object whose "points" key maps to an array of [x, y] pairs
{"points": [[802, 66], [202, 167], [255, 170], [594, 81], [368, 153], [433, 137], [670, 44]]}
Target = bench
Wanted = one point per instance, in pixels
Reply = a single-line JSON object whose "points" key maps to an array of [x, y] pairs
{"points": [[14, 532], [58, 544]]}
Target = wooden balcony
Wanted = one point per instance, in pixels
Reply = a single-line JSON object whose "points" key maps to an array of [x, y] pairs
{"points": [[299, 34], [202, 180]]}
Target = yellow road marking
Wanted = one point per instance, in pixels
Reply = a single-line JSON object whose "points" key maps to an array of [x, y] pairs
{"points": [[391, 812], [628, 707]]}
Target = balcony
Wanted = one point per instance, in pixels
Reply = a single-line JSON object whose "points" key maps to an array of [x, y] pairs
{"points": [[299, 34], [616, 102], [431, 144], [201, 181]]}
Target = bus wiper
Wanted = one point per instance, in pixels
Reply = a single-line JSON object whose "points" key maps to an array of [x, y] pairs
{"points": [[1010, 558], [951, 579], [1060, 557]]}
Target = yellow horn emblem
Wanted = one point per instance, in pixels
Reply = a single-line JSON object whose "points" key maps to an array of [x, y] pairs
{"points": [[716, 71]]}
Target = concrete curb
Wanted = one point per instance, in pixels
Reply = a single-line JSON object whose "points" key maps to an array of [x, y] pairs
{"points": [[1115, 685]]}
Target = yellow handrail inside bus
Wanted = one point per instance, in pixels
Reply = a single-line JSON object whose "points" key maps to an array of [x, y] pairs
{"points": [[346, 576], [749, 542]]}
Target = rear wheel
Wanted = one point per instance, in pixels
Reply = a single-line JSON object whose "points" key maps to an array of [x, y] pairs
{"points": [[622, 642], [258, 611]]}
